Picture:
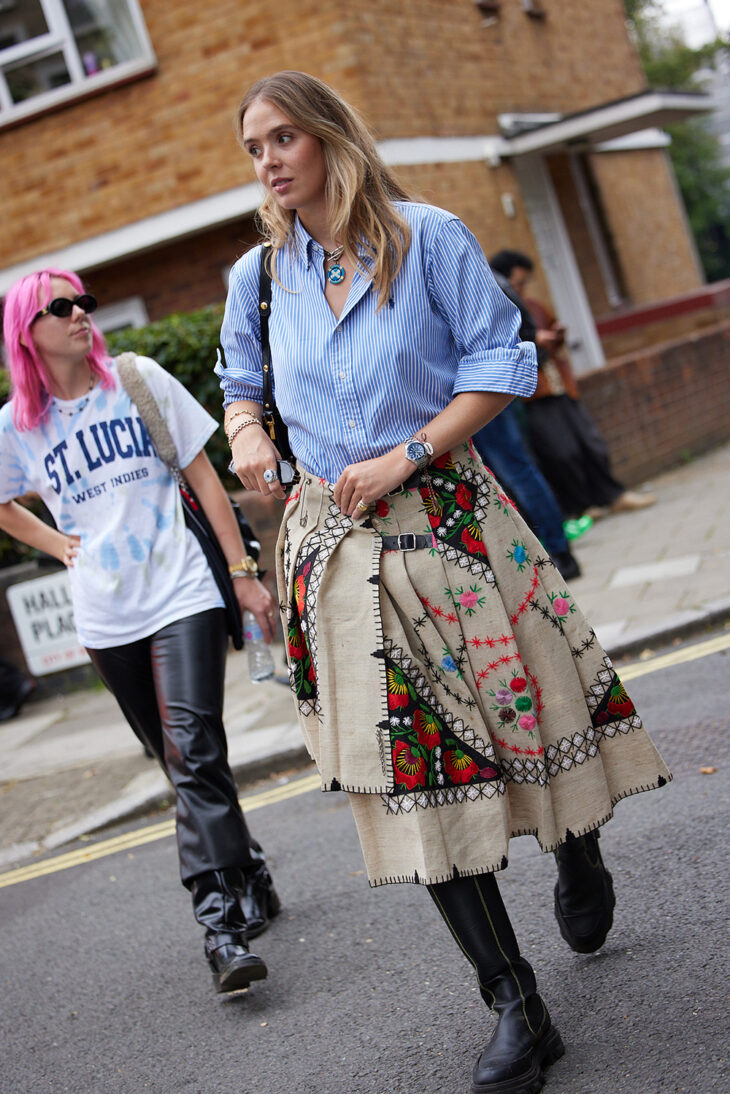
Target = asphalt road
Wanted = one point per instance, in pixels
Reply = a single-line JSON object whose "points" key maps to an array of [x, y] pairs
{"points": [[105, 988]]}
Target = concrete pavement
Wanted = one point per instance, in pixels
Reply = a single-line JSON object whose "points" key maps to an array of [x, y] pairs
{"points": [[70, 765]]}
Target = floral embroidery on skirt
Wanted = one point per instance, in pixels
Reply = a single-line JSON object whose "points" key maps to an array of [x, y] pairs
{"points": [[456, 692]]}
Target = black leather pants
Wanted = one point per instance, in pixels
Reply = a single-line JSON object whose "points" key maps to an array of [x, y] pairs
{"points": [[170, 689]]}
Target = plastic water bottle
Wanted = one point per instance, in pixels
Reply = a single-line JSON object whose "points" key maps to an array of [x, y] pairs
{"points": [[260, 658]]}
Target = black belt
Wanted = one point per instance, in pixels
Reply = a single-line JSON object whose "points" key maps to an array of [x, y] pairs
{"points": [[407, 541]]}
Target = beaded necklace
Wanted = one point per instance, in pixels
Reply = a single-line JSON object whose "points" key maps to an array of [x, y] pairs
{"points": [[84, 402]]}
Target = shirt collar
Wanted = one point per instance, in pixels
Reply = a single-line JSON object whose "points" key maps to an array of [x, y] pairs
{"points": [[308, 249]]}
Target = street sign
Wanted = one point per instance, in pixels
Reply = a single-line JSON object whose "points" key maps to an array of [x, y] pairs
{"points": [[44, 619]]}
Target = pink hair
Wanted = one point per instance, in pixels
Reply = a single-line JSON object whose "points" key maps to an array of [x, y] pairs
{"points": [[28, 372]]}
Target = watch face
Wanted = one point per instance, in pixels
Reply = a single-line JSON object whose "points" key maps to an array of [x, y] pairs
{"points": [[415, 451]]}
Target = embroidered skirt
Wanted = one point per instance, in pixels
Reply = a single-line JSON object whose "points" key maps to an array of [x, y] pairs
{"points": [[456, 692]]}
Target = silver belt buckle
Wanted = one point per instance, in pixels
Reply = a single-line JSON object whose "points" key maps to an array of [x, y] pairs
{"points": [[406, 541]]}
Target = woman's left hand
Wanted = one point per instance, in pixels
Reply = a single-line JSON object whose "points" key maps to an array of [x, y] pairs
{"points": [[255, 597], [367, 481]]}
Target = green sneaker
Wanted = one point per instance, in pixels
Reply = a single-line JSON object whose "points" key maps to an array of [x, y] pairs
{"points": [[574, 529]]}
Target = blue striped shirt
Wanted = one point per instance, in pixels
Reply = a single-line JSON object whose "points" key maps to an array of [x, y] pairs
{"points": [[354, 388]]}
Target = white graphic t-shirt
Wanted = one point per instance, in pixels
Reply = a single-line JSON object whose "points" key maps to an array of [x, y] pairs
{"points": [[92, 462]]}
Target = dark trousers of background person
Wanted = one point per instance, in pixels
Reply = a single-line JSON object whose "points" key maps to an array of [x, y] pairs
{"points": [[502, 447], [170, 689], [15, 687], [571, 453]]}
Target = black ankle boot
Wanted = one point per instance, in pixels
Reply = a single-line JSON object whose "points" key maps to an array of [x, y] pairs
{"points": [[259, 900], [217, 899], [525, 1040], [584, 897]]}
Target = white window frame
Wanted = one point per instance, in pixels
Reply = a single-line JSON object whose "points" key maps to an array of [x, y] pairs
{"points": [[60, 39], [130, 312]]}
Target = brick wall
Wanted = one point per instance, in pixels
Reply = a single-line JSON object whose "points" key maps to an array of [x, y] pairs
{"points": [[659, 406], [437, 63], [630, 330], [416, 67], [649, 227], [182, 276]]}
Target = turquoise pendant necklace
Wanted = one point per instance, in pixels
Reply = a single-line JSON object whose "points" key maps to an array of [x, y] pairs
{"points": [[336, 273]]}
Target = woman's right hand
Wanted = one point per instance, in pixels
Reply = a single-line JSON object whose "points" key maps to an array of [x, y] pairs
{"points": [[253, 453], [254, 596], [69, 549]]}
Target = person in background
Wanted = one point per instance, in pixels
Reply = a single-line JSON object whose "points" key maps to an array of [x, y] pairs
{"points": [[146, 606], [15, 688], [444, 677], [501, 445], [566, 441]]}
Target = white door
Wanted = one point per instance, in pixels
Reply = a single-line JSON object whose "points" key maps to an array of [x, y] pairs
{"points": [[558, 260]]}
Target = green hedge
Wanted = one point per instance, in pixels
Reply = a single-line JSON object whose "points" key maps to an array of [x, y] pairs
{"points": [[185, 344]]}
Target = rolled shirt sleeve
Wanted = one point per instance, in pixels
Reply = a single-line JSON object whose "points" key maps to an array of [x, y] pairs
{"points": [[484, 323]]}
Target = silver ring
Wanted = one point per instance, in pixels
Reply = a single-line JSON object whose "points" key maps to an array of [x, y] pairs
{"points": [[269, 475]]}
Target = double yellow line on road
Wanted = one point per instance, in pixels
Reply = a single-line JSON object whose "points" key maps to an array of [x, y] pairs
{"points": [[149, 834], [678, 657], [293, 789]]}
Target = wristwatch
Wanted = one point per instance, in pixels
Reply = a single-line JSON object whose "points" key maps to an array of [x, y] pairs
{"points": [[418, 452]]}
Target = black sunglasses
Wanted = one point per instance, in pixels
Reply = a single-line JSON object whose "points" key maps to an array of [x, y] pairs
{"points": [[62, 307]]}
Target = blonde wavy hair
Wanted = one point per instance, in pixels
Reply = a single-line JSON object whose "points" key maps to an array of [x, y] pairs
{"points": [[360, 189]]}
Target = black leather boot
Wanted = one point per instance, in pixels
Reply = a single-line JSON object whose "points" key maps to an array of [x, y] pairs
{"points": [[217, 905], [259, 900], [584, 897], [525, 1040]]}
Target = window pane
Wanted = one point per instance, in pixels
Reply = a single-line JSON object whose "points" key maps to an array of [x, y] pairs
{"points": [[20, 21], [104, 33], [34, 77]]}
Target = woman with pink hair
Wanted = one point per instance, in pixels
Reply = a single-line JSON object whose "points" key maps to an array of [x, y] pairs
{"points": [[146, 605]]}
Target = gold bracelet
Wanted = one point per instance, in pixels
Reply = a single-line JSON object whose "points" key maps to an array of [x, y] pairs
{"points": [[237, 430], [238, 414], [247, 567]]}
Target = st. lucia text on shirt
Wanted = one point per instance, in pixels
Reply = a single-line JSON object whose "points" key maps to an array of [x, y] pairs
{"points": [[102, 443]]}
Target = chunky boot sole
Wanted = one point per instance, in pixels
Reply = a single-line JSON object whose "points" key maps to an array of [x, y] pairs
{"points": [[548, 1049], [240, 973], [593, 941]]}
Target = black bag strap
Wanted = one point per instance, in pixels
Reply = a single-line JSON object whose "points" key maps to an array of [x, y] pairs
{"points": [[264, 312]]}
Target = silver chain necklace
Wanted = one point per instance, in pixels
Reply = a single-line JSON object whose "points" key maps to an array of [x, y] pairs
{"points": [[336, 273]]}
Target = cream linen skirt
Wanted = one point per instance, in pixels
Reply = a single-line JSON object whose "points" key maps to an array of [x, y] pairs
{"points": [[455, 691]]}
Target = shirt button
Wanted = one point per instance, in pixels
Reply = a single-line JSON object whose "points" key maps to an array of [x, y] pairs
{"points": [[351, 423], [343, 375]]}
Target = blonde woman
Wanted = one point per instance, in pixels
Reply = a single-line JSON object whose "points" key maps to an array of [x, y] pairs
{"points": [[444, 676]]}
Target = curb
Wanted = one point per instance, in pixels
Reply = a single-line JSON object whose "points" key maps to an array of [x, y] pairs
{"points": [[247, 772], [632, 644], [130, 808]]}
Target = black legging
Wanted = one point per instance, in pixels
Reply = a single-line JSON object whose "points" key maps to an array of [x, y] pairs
{"points": [[170, 688]]}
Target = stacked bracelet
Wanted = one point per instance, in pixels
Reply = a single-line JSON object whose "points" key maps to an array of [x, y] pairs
{"points": [[238, 413], [247, 567], [237, 430]]}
